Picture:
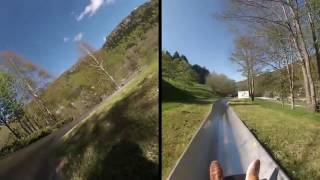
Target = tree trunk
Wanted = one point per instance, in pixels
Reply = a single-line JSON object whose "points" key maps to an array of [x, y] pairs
{"points": [[248, 84], [31, 90], [306, 56], [282, 101], [291, 83], [282, 92], [252, 88], [16, 135], [24, 128], [47, 111], [314, 36], [98, 64], [290, 76], [36, 123], [33, 124], [300, 45], [27, 124], [30, 125]]}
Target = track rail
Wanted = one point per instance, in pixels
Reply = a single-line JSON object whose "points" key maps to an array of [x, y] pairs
{"points": [[225, 138]]}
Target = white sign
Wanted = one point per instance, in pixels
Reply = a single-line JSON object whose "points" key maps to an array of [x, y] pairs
{"points": [[243, 94]]}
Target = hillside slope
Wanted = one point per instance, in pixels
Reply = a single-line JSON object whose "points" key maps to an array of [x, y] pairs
{"points": [[132, 46], [185, 103], [119, 140]]}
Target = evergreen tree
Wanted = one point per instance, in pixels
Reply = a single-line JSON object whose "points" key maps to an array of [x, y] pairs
{"points": [[183, 57], [176, 55], [202, 73]]}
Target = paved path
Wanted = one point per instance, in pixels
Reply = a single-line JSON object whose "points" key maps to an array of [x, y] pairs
{"points": [[225, 138]]}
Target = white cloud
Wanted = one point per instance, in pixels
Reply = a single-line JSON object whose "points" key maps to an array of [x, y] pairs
{"points": [[104, 38], [78, 37], [93, 7], [66, 39]]}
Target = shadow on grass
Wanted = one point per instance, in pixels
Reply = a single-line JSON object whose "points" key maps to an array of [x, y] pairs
{"points": [[173, 94], [126, 161], [108, 146], [296, 167]]}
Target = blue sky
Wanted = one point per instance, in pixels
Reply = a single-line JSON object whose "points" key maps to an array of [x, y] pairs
{"points": [[44, 30], [189, 27]]}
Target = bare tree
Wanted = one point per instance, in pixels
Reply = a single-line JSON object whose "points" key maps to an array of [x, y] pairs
{"points": [[279, 56], [246, 55], [285, 14], [96, 63]]}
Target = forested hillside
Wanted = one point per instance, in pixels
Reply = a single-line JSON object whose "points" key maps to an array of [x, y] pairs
{"points": [[177, 67], [270, 83], [186, 100]]}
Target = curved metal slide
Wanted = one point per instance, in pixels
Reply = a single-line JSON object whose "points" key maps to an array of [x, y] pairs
{"points": [[225, 138]]}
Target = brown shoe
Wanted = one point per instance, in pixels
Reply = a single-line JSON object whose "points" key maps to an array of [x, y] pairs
{"points": [[253, 170], [215, 171]]}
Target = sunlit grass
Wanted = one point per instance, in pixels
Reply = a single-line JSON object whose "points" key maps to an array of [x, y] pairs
{"points": [[120, 137], [292, 137], [184, 109]]}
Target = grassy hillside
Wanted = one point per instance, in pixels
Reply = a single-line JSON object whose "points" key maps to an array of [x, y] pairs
{"points": [[185, 103], [120, 139], [296, 147], [134, 45]]}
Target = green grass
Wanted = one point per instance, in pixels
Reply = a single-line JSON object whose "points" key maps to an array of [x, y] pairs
{"points": [[130, 47], [17, 144], [23, 142], [292, 137], [184, 107], [119, 140]]}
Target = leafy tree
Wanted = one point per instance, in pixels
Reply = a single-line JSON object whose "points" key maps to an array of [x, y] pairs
{"points": [[30, 80], [177, 69], [247, 55], [202, 73], [221, 84], [10, 108]]}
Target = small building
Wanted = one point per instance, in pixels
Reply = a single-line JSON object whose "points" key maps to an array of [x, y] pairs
{"points": [[243, 94]]}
